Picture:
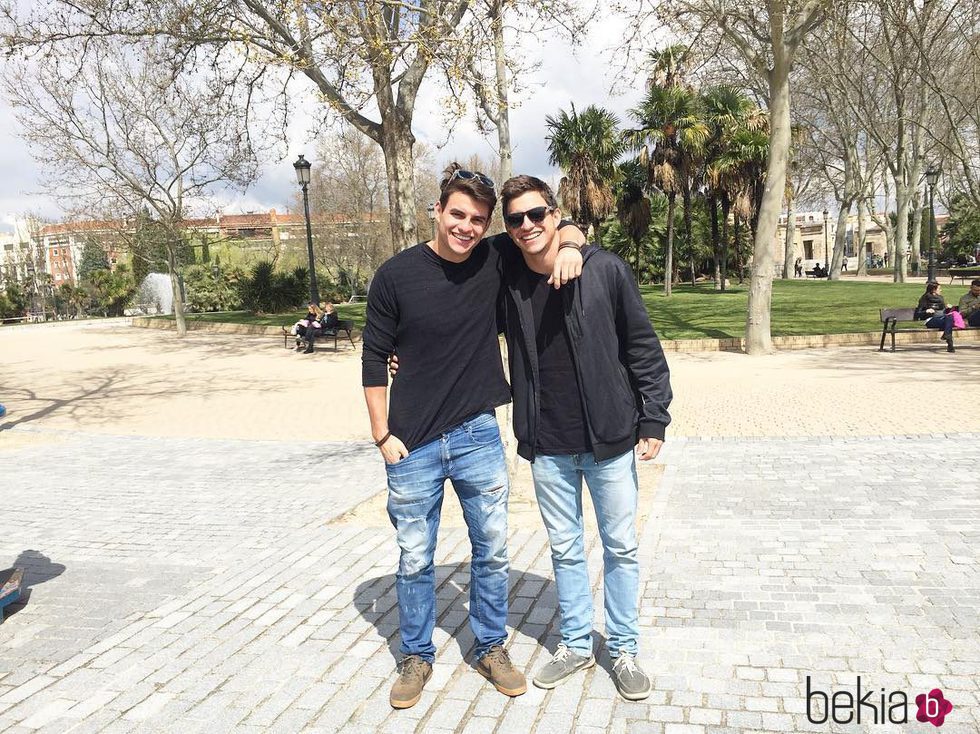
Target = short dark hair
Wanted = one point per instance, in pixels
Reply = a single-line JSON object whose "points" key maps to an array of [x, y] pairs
{"points": [[519, 185], [976, 281], [931, 286], [472, 186]]}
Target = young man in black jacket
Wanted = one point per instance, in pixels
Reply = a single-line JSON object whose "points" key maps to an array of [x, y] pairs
{"points": [[589, 383]]}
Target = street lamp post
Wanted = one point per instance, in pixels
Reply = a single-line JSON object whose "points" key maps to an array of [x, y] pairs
{"points": [[302, 167], [826, 250], [932, 178], [431, 210]]}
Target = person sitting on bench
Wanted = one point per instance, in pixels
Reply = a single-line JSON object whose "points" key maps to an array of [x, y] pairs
{"points": [[932, 309], [970, 304], [819, 272], [329, 320], [306, 327], [325, 324]]}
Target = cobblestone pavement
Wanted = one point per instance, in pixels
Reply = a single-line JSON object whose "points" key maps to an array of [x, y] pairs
{"points": [[190, 585]]}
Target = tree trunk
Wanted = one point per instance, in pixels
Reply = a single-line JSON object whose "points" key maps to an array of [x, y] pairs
{"points": [[789, 244], [503, 116], [737, 236], [175, 289], [840, 239], [862, 237], [726, 208], [902, 202], [688, 226], [715, 241], [916, 243], [758, 324], [638, 245], [397, 142], [669, 263]]}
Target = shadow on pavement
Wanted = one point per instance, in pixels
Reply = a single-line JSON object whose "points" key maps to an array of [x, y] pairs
{"points": [[115, 395], [38, 568], [377, 602]]}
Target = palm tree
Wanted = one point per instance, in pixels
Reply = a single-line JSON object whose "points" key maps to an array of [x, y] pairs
{"points": [[633, 208], [587, 147], [667, 66], [726, 109], [736, 170], [670, 140], [744, 162]]}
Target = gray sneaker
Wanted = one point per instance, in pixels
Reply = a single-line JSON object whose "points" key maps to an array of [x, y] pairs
{"points": [[562, 664], [631, 682]]}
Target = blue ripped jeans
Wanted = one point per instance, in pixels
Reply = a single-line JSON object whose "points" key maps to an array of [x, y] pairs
{"points": [[471, 456]]}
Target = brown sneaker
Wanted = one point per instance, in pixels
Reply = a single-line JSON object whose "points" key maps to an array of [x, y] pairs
{"points": [[497, 668], [413, 674]]}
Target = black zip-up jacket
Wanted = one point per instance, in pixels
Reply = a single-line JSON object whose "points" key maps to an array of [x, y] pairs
{"points": [[622, 373], [929, 300]]}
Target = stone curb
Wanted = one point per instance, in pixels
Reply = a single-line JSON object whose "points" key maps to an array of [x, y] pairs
{"points": [[216, 328], [812, 341]]}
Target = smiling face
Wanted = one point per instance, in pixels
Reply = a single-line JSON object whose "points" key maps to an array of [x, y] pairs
{"points": [[534, 239], [460, 225]]}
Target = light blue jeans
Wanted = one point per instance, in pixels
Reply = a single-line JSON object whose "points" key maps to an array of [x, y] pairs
{"points": [[471, 456], [614, 490]]}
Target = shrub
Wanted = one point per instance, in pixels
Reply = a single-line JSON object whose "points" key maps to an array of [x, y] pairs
{"points": [[207, 291], [268, 291]]}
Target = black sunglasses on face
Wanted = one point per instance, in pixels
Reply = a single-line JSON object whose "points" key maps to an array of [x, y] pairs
{"points": [[468, 175], [536, 215]]}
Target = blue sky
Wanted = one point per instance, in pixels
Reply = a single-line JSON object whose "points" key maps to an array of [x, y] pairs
{"points": [[582, 75]]}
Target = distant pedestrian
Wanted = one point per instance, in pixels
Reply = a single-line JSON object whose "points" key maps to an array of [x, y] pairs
{"points": [[798, 268], [843, 266]]}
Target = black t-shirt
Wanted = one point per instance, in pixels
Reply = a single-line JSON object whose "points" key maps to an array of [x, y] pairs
{"points": [[440, 318], [562, 427]]}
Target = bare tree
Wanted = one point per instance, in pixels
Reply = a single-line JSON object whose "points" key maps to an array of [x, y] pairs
{"points": [[120, 134], [537, 18], [348, 200], [365, 60]]}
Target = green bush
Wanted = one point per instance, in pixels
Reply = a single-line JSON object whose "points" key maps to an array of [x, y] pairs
{"points": [[111, 291], [207, 291], [267, 291]]}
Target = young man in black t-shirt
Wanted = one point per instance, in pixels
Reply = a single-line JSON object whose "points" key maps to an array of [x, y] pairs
{"points": [[590, 383], [435, 304]]}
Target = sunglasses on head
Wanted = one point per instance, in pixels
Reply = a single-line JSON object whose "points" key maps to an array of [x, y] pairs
{"points": [[464, 175], [536, 215]]}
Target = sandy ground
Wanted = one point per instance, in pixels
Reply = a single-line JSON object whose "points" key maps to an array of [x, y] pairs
{"points": [[128, 381]]}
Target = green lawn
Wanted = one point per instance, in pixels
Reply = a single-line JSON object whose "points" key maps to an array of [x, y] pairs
{"points": [[798, 307]]}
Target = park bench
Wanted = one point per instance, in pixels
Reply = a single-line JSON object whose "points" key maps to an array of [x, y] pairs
{"points": [[813, 274], [10, 583], [963, 274], [15, 319], [890, 317], [346, 326]]}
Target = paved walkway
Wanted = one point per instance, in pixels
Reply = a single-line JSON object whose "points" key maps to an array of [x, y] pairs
{"points": [[197, 585]]}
